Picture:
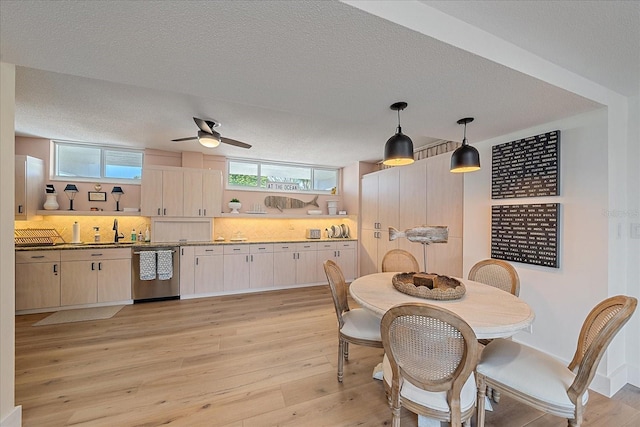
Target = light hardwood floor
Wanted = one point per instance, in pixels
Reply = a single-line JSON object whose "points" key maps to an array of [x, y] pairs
{"points": [[265, 359]]}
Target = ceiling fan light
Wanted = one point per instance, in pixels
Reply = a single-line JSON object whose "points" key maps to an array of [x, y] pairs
{"points": [[209, 140], [398, 151]]}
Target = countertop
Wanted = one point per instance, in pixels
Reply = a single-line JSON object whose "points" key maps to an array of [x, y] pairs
{"points": [[142, 245]]}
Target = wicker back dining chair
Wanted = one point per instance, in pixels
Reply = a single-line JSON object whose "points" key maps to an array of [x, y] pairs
{"points": [[497, 273], [430, 355], [541, 381], [400, 260], [354, 326]]}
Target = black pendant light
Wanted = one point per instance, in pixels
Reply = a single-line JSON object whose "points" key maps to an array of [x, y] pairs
{"points": [[466, 158], [398, 151]]}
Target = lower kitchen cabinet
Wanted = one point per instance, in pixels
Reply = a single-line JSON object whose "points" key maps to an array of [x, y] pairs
{"points": [[92, 276], [248, 266], [295, 264], [37, 279], [208, 269], [342, 253]]}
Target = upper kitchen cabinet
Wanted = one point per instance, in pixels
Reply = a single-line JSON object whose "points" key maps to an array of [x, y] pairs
{"points": [[202, 193], [181, 192], [30, 192]]}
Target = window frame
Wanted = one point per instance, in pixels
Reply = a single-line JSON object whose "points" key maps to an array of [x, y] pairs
{"points": [[53, 170], [259, 165]]}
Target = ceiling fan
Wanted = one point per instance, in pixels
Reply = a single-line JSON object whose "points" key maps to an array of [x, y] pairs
{"points": [[209, 137]]}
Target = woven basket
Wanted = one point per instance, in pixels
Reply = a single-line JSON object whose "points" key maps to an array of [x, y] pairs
{"points": [[448, 287]]}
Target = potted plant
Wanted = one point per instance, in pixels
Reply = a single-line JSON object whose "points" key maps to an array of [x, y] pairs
{"points": [[234, 205]]}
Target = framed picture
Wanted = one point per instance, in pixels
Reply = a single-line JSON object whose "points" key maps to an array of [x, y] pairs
{"points": [[97, 196]]}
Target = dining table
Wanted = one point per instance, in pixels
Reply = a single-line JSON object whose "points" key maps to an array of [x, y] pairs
{"points": [[491, 312]]}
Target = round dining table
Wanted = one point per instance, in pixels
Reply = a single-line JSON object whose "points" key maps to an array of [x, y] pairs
{"points": [[491, 312]]}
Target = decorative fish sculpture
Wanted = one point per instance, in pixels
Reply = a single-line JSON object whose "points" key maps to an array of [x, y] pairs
{"points": [[424, 234], [281, 202]]}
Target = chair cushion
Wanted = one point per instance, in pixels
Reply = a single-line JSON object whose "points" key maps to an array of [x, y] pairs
{"points": [[360, 324], [528, 370], [430, 399]]}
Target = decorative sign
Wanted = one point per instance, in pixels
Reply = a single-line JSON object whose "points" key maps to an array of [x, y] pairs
{"points": [[283, 186], [528, 167], [526, 233]]}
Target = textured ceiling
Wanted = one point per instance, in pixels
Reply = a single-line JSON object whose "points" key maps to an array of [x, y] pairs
{"points": [[307, 82]]}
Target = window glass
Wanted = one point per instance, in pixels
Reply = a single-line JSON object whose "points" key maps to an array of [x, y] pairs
{"points": [[280, 176], [78, 161], [95, 163]]}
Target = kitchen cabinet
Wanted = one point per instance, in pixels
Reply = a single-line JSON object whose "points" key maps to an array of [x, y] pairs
{"points": [[380, 203], [37, 279], [342, 253], [202, 193], [187, 270], [181, 192], [94, 276], [208, 269], [295, 264], [427, 193], [248, 266], [29, 187], [162, 191]]}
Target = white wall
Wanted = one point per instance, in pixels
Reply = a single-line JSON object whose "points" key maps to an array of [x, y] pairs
{"points": [[562, 297], [10, 416]]}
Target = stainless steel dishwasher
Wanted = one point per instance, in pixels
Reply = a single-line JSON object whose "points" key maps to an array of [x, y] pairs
{"points": [[155, 289]]}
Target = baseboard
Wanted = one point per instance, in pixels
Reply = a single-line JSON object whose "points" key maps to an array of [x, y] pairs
{"points": [[633, 375], [14, 419]]}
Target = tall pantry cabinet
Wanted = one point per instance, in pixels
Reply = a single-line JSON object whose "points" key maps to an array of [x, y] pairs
{"points": [[424, 193]]}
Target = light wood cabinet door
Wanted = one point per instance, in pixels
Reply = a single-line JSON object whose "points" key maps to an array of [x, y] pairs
{"points": [[79, 282], [388, 198], [368, 252], [187, 270], [114, 280], [37, 285], [261, 266], [211, 193], [209, 274], [172, 193], [284, 267], [306, 267], [369, 201], [192, 193], [384, 246], [444, 195], [29, 186], [412, 196], [236, 270], [346, 259], [151, 192]]}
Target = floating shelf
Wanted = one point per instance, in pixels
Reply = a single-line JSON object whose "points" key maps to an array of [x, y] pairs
{"points": [[87, 213], [280, 216]]}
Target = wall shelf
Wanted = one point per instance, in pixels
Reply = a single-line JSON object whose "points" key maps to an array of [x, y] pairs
{"points": [[86, 213], [279, 216]]}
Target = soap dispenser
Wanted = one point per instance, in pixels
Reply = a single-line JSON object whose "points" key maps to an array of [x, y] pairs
{"points": [[96, 234], [133, 235]]}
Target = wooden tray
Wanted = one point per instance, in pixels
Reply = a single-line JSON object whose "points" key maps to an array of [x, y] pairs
{"points": [[448, 288]]}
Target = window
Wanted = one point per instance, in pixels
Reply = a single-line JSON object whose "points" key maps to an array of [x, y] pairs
{"points": [[264, 176], [95, 163]]}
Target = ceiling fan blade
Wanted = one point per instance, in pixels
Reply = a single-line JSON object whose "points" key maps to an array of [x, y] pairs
{"points": [[204, 127], [234, 142], [189, 138]]}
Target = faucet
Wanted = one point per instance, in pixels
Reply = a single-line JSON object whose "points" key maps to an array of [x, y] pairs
{"points": [[117, 236]]}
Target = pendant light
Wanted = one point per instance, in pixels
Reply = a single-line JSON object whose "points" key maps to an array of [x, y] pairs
{"points": [[398, 151], [466, 158]]}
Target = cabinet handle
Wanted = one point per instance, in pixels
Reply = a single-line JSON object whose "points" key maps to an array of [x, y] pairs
{"points": [[251, 258], [246, 258], [164, 211], [37, 256], [20, 209], [158, 211], [199, 212], [55, 268], [197, 261], [338, 254], [96, 254], [93, 266], [208, 250], [99, 266], [181, 251], [205, 212], [236, 249], [294, 255]]}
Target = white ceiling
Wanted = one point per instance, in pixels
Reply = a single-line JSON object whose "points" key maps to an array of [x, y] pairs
{"points": [[302, 81]]}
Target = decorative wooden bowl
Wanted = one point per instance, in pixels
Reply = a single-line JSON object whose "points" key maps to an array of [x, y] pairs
{"points": [[446, 288]]}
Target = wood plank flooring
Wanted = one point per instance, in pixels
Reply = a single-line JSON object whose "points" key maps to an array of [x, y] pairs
{"points": [[265, 359]]}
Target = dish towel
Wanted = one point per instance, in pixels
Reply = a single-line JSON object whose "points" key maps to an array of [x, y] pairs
{"points": [[165, 265], [147, 265]]}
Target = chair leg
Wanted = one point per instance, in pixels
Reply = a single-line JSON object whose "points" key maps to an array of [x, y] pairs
{"points": [[341, 345], [346, 350], [395, 417], [482, 393]]}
